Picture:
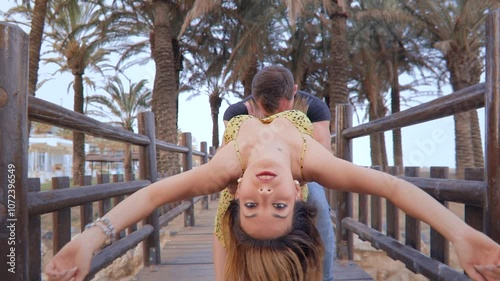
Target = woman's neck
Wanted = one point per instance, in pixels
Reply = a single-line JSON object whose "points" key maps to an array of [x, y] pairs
{"points": [[263, 144], [270, 157]]}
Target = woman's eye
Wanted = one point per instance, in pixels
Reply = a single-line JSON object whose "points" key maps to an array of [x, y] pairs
{"points": [[279, 205], [251, 205]]}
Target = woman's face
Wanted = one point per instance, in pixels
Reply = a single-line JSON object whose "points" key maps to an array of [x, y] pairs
{"points": [[267, 198]]}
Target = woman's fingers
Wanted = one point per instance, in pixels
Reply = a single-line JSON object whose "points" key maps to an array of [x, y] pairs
{"points": [[61, 275], [474, 274], [490, 272]]}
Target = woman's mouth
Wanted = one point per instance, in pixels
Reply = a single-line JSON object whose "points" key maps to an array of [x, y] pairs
{"points": [[266, 176]]}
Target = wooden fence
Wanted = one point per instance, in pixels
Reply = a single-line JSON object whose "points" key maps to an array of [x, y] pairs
{"points": [[22, 201], [480, 192]]}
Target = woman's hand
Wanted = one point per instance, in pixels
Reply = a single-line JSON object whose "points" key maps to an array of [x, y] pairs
{"points": [[72, 262], [479, 256]]}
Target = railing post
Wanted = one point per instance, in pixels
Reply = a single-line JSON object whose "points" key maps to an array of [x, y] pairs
{"points": [[204, 160], [61, 220], [104, 205], [474, 214], [14, 263], [392, 213], [187, 141], [440, 249], [492, 119], [412, 225], [343, 200], [86, 210], [148, 171], [376, 208], [117, 200], [35, 242]]}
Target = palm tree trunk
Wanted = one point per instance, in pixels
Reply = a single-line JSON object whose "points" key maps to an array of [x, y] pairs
{"points": [[338, 72], [78, 138], [465, 69], [127, 162], [464, 156], [36, 34], [248, 77], [383, 150], [477, 144], [373, 107], [215, 104], [395, 107], [165, 92]]}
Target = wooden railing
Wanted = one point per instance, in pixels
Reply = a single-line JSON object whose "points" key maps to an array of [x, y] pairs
{"points": [[479, 192], [22, 201]]}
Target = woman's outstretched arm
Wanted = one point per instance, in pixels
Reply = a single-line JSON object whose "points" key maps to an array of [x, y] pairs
{"points": [[473, 247], [73, 260]]}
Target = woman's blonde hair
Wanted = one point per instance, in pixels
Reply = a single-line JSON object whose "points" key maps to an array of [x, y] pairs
{"points": [[295, 256]]}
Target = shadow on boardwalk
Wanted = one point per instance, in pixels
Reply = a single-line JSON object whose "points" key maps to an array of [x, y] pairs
{"points": [[188, 255]]}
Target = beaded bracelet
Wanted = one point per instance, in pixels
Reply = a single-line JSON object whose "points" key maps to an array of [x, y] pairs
{"points": [[106, 227]]}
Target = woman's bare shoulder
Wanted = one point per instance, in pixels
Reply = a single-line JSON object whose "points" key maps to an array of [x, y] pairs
{"points": [[225, 164]]}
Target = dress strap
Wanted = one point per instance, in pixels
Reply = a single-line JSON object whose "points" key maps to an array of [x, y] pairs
{"points": [[235, 144], [304, 147]]}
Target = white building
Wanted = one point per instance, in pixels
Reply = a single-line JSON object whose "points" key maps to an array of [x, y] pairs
{"points": [[49, 156]]}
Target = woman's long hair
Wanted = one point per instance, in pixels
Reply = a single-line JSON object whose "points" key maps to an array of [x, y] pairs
{"points": [[295, 256]]}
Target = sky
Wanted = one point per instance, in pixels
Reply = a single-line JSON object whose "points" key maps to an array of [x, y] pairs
{"points": [[424, 145]]}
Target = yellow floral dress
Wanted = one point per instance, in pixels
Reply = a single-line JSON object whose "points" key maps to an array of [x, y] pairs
{"points": [[301, 122]]}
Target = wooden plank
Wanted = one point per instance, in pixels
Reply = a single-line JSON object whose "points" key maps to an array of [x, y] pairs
{"points": [[34, 239], [440, 248], [349, 270], [61, 220], [14, 46], [492, 127]]}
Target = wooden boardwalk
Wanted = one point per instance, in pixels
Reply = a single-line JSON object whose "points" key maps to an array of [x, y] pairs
{"points": [[188, 256]]}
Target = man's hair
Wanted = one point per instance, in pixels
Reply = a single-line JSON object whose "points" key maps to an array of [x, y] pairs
{"points": [[270, 85], [295, 256]]}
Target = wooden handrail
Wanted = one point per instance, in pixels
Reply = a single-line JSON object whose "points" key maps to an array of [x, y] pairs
{"points": [[47, 112], [466, 99], [49, 201], [106, 256], [460, 191]]}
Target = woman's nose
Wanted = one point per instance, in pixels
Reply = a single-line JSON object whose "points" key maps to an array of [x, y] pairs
{"points": [[265, 190]]}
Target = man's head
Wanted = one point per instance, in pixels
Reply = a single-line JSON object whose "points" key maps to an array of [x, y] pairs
{"points": [[273, 89]]}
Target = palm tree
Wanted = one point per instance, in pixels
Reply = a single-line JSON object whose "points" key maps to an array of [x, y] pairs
{"points": [[36, 35], [165, 92], [456, 29], [386, 31], [156, 24], [201, 76], [77, 36], [36, 15], [124, 104], [247, 31], [337, 12], [235, 39]]}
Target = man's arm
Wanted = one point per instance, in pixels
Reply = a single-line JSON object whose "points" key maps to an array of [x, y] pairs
{"points": [[322, 133]]}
